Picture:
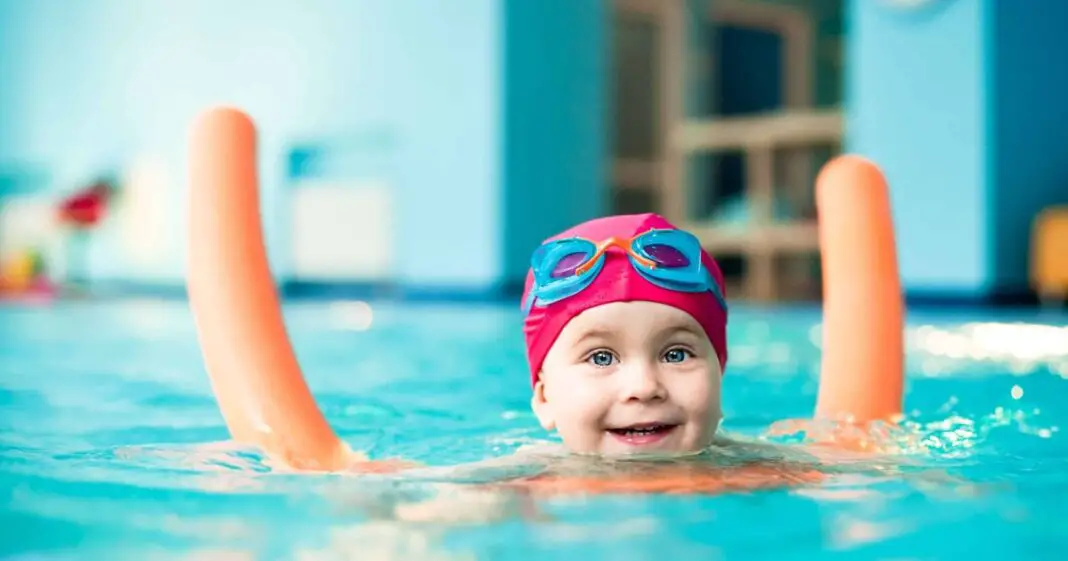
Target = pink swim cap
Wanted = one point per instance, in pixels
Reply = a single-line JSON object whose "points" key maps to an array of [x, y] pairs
{"points": [[618, 281]]}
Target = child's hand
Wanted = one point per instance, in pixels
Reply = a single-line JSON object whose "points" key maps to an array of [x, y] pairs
{"points": [[849, 436]]}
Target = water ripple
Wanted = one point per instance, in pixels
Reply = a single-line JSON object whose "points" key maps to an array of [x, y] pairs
{"points": [[111, 445]]}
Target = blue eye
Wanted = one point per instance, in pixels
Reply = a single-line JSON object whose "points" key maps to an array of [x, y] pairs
{"points": [[677, 355], [601, 359]]}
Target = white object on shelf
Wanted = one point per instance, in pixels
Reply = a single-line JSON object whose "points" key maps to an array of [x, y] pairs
{"points": [[342, 231], [146, 223], [27, 222]]}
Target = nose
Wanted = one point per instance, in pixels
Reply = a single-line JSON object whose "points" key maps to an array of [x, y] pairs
{"points": [[641, 383]]}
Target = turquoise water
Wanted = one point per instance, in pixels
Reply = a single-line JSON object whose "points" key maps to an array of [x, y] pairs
{"points": [[112, 447]]}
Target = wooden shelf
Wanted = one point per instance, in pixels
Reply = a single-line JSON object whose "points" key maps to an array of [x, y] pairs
{"points": [[799, 237], [630, 173], [761, 131], [763, 242]]}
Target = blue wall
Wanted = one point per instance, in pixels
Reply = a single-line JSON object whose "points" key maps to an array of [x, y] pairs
{"points": [[497, 119], [915, 102], [494, 111], [962, 105], [1029, 129], [555, 113], [90, 85]]}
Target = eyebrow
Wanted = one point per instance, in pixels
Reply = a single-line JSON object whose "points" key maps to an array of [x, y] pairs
{"points": [[605, 334], [597, 333], [679, 329]]}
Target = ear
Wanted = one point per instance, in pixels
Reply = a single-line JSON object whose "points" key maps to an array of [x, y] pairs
{"points": [[543, 410]]}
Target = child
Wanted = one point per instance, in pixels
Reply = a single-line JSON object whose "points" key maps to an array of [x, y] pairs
{"points": [[626, 337], [625, 325]]}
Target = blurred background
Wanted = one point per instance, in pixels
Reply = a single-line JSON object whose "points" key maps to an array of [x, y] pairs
{"points": [[424, 148]]}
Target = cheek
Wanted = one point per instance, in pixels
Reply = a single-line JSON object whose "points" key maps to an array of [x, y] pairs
{"points": [[582, 403], [697, 392]]}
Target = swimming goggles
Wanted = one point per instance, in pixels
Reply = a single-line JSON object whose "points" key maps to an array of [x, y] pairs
{"points": [[670, 259]]}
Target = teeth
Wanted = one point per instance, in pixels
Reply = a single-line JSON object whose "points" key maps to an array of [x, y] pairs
{"points": [[641, 431]]}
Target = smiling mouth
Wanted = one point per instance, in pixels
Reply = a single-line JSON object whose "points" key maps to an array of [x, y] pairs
{"points": [[645, 433]]}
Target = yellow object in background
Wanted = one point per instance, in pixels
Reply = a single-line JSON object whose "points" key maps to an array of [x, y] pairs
{"points": [[1049, 253], [17, 274]]}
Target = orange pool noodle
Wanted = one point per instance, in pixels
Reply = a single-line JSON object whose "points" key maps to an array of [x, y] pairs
{"points": [[247, 352], [863, 308]]}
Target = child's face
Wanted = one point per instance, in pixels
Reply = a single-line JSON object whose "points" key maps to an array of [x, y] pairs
{"points": [[631, 378]]}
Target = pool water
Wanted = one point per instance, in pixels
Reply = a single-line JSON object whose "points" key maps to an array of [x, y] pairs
{"points": [[113, 448]]}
